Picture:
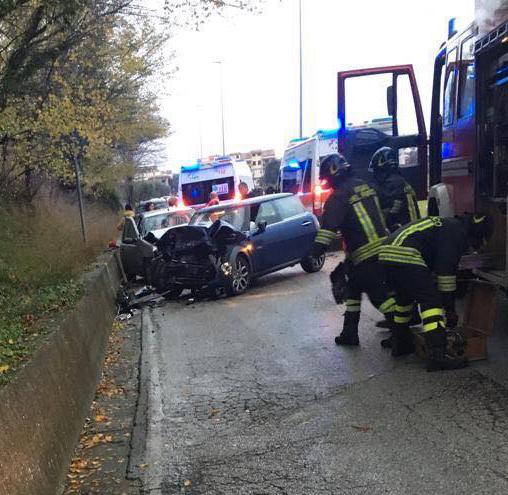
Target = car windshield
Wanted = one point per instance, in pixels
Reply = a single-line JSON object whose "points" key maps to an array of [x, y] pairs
{"points": [[165, 220], [237, 217]]}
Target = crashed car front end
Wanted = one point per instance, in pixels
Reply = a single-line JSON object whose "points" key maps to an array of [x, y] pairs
{"points": [[196, 258]]}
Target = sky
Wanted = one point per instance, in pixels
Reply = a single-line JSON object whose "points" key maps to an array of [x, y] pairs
{"points": [[260, 64]]}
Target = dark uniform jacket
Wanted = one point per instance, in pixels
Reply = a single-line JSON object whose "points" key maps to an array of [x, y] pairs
{"points": [[435, 243], [398, 201], [354, 209]]}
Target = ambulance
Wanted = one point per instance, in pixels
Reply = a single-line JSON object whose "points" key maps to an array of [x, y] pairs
{"points": [[218, 174], [299, 170]]}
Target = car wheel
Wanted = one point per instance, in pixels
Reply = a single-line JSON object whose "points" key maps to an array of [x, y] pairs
{"points": [[240, 278], [313, 264]]}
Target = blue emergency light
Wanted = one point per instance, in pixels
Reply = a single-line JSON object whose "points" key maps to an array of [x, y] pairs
{"points": [[327, 133], [190, 168]]}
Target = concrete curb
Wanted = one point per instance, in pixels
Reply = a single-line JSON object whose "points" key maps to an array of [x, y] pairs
{"points": [[43, 409]]}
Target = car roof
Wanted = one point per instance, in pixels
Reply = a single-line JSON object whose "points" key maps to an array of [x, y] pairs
{"points": [[244, 202], [173, 209]]}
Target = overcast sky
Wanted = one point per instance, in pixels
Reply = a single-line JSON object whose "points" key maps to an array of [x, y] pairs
{"points": [[260, 64]]}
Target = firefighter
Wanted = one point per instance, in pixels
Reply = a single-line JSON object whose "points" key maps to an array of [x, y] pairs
{"points": [[353, 208], [411, 256], [398, 202], [397, 197]]}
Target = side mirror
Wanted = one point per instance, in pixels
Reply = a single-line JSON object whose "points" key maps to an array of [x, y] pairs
{"points": [[262, 226], [390, 102]]}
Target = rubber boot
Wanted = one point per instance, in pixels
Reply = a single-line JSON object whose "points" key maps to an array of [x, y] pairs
{"points": [[402, 341], [349, 334], [387, 343], [438, 358]]}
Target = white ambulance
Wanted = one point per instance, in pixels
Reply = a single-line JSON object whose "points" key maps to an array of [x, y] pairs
{"points": [[221, 175], [299, 169]]}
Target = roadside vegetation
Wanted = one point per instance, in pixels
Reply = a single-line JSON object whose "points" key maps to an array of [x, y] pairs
{"points": [[78, 84], [41, 257]]}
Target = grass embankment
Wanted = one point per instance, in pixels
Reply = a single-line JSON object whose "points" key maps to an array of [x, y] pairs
{"points": [[41, 258]]}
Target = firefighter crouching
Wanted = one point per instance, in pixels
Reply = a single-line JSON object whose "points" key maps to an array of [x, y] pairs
{"points": [[398, 199], [410, 257], [354, 209]]}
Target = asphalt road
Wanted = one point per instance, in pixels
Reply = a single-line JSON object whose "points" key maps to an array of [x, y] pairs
{"points": [[250, 395]]}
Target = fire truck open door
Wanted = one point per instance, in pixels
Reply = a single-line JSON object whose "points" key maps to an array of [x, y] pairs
{"points": [[381, 107]]}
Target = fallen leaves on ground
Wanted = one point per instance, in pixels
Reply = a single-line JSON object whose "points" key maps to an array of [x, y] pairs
{"points": [[109, 388], [88, 442], [101, 418]]}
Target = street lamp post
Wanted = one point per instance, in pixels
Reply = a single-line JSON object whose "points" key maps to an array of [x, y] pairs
{"points": [[75, 152], [200, 128], [219, 62]]}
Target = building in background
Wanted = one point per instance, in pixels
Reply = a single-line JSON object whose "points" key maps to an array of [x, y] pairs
{"points": [[257, 161]]}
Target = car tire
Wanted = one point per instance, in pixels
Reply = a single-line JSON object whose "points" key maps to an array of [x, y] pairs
{"points": [[311, 264], [241, 277]]}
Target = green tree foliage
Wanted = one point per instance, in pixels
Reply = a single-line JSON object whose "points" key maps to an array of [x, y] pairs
{"points": [[85, 67]]}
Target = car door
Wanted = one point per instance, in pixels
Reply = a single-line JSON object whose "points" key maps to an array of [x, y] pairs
{"points": [[381, 107], [268, 243], [129, 248], [297, 228]]}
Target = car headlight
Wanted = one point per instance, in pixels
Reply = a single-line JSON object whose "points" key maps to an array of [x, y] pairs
{"points": [[227, 268]]}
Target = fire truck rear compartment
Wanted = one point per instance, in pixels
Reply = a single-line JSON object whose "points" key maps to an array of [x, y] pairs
{"points": [[492, 179]]}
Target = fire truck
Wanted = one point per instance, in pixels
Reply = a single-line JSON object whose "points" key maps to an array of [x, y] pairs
{"points": [[463, 165]]}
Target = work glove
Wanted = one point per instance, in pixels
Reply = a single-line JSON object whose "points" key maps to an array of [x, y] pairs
{"points": [[452, 319], [339, 279]]}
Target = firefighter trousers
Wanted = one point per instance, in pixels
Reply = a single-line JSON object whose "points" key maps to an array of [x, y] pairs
{"points": [[366, 277], [414, 284]]}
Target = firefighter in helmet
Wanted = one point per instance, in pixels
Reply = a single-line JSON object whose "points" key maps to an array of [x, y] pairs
{"points": [[397, 197], [398, 202], [353, 209], [411, 257]]}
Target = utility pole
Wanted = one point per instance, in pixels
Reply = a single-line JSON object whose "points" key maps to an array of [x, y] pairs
{"points": [[75, 154], [200, 116], [219, 62], [301, 67]]}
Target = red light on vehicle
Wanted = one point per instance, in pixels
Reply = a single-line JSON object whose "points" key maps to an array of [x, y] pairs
{"points": [[318, 189], [112, 244], [181, 204]]}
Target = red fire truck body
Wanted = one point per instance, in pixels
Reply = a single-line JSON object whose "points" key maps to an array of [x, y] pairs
{"points": [[463, 166]]}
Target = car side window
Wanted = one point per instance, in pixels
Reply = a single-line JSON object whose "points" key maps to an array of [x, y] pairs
{"points": [[178, 219], [129, 230], [267, 213], [289, 207]]}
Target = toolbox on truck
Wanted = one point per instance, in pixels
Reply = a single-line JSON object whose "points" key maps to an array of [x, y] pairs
{"points": [[470, 339]]}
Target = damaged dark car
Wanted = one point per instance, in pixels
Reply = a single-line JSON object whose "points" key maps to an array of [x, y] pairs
{"points": [[225, 247]]}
